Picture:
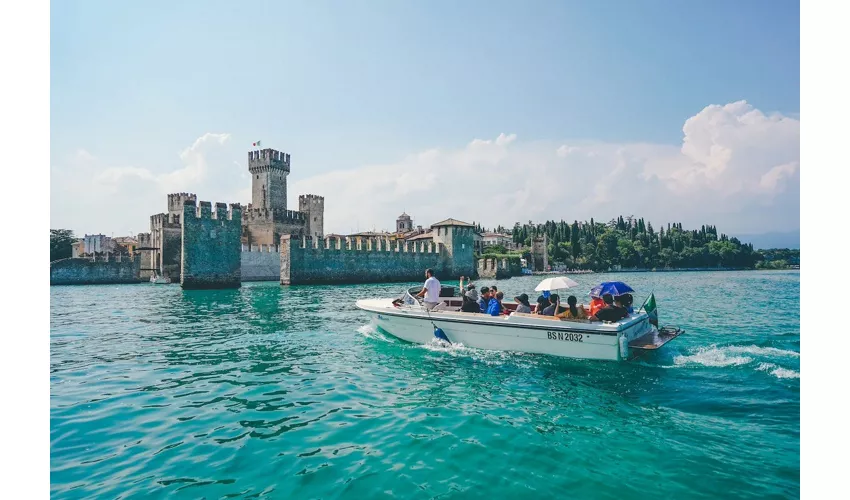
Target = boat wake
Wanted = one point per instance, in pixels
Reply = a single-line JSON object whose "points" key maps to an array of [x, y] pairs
{"points": [[764, 359], [486, 356], [371, 332]]}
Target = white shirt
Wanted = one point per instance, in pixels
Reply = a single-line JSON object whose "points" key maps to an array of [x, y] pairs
{"points": [[432, 290]]}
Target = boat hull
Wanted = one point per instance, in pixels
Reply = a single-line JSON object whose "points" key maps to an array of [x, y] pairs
{"points": [[517, 333]]}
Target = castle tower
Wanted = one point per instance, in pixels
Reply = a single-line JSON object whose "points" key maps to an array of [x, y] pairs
{"points": [[175, 204], [457, 238], [403, 224], [269, 169], [313, 208]]}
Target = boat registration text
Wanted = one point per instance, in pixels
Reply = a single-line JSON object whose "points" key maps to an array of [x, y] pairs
{"points": [[567, 336]]}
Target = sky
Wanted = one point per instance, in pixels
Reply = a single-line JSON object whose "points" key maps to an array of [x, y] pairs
{"points": [[493, 112]]}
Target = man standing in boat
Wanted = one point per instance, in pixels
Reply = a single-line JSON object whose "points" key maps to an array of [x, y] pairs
{"points": [[430, 291]]}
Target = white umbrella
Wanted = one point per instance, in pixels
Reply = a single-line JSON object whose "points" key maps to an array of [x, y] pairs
{"points": [[556, 283]]}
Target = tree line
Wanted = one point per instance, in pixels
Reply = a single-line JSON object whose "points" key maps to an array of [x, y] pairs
{"points": [[626, 242], [631, 242]]}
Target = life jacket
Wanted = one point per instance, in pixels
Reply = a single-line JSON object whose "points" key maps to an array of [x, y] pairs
{"points": [[596, 303]]}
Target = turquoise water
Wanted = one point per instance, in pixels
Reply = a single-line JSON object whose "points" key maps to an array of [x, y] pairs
{"points": [[288, 393]]}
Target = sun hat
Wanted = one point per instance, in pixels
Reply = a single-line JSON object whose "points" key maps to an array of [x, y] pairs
{"points": [[522, 299]]}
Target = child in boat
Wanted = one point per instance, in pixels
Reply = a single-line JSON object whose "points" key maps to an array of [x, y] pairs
{"points": [[573, 311]]}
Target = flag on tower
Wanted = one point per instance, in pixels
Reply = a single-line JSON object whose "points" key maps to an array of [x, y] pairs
{"points": [[257, 144]]}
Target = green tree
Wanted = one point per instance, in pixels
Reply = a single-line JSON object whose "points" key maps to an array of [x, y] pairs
{"points": [[494, 250], [61, 241]]}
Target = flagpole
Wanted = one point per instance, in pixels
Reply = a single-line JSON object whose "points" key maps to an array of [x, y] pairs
{"points": [[646, 299]]}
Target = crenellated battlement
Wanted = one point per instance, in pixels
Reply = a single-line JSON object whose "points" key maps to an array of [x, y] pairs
{"points": [[165, 221], [372, 245], [204, 210], [254, 215], [311, 198], [266, 160], [291, 217], [337, 259], [177, 200]]}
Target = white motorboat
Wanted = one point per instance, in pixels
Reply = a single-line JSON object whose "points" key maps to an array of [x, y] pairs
{"points": [[406, 318], [160, 280]]}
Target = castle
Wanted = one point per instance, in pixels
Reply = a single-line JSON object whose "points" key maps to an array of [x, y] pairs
{"points": [[264, 221]]}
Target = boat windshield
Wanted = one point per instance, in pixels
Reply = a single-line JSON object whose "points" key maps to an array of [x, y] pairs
{"points": [[407, 298]]}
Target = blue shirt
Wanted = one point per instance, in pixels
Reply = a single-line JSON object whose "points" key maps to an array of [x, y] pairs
{"points": [[482, 303], [493, 308]]}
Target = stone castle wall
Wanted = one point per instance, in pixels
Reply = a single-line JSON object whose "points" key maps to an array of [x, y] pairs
{"points": [[211, 249], [166, 234], [313, 208], [355, 260], [493, 268], [146, 256], [262, 226], [111, 270], [260, 263]]}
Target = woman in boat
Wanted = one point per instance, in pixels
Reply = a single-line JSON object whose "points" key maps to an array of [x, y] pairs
{"points": [[573, 311], [522, 304]]}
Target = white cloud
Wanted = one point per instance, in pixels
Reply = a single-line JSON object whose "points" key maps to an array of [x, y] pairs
{"points": [[194, 172], [89, 197], [736, 168]]}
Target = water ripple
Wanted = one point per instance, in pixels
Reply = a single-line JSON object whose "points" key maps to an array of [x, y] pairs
{"points": [[288, 392]]}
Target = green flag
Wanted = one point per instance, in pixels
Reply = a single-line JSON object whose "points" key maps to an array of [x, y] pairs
{"points": [[652, 310]]}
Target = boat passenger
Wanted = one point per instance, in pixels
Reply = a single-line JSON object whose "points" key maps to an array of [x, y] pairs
{"points": [[430, 291], [495, 291], [494, 307], [542, 303], [573, 312], [610, 312], [484, 301], [470, 291], [627, 300], [522, 304], [469, 305], [555, 308], [596, 303], [620, 301]]}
